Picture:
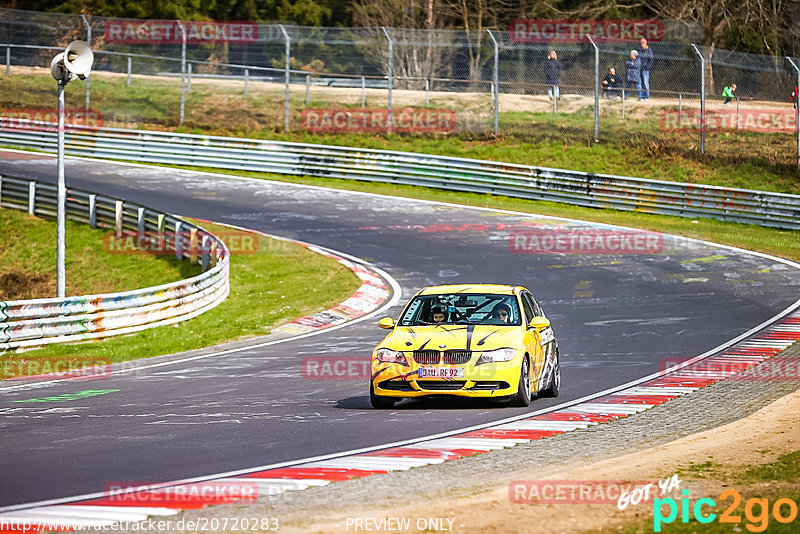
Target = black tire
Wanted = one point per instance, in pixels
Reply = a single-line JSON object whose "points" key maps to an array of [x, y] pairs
{"points": [[554, 386], [523, 396], [378, 402]]}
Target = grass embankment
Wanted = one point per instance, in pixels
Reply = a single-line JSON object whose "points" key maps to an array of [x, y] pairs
{"points": [[759, 487], [279, 282], [28, 261], [530, 133]]}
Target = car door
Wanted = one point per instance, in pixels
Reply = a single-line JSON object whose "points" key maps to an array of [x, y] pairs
{"points": [[533, 341]]}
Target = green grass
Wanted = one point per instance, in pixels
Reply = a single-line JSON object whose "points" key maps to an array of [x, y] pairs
{"points": [[280, 282], [635, 146], [28, 261]]}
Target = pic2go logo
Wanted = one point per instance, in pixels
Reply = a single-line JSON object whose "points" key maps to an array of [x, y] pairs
{"points": [[756, 511]]}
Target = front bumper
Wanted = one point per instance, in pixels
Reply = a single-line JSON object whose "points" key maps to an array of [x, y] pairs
{"points": [[489, 380]]}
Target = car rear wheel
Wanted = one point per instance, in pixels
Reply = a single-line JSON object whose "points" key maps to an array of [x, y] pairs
{"points": [[523, 396], [379, 402], [554, 386]]}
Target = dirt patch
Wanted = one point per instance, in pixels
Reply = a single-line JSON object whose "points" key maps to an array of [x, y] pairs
{"points": [[18, 284]]}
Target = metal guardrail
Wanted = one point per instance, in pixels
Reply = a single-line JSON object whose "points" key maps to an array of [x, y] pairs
{"points": [[762, 208], [36, 322]]}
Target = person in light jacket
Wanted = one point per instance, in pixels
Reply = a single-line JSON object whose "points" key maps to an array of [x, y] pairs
{"points": [[633, 72], [552, 70]]}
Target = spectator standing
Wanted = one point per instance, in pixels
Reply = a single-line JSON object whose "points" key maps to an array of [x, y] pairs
{"points": [[612, 84], [552, 70], [633, 72], [728, 91], [793, 98], [646, 58]]}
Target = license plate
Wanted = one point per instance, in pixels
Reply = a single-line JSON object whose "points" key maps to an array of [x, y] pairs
{"points": [[441, 372]]}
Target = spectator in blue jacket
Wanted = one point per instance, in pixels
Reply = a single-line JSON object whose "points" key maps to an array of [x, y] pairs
{"points": [[646, 58], [633, 72]]}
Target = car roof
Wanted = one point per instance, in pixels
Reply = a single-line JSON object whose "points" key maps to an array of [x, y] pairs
{"points": [[497, 289]]}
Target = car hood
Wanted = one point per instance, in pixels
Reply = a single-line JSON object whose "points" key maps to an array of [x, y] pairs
{"points": [[454, 337]]}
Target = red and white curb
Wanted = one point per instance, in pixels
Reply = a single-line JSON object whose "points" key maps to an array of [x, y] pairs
{"points": [[651, 391]]}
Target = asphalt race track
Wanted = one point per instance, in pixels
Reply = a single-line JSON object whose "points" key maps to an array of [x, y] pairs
{"points": [[617, 317]]}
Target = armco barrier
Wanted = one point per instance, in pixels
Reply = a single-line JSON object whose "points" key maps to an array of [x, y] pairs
{"points": [[42, 321], [459, 174]]}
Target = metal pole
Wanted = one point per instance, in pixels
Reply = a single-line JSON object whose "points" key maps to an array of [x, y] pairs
{"points": [[89, 42], [183, 70], [62, 198], [737, 112], [246, 80], [624, 92], [555, 100], [286, 78], [496, 86], [797, 109], [596, 89], [427, 92], [128, 81], [702, 100], [390, 79], [363, 92], [189, 77], [8, 61], [680, 108], [308, 87]]}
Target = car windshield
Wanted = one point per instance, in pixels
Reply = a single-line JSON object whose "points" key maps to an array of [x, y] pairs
{"points": [[462, 309]]}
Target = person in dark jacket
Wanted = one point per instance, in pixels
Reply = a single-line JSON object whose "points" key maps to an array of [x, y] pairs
{"points": [[552, 70], [646, 57], [612, 84], [633, 72]]}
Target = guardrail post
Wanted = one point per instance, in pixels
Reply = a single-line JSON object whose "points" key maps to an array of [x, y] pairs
{"points": [[797, 109], [89, 42], [178, 240], [140, 220], [31, 197], [128, 80], [118, 207], [286, 74], [596, 89], [204, 253], [213, 253], [702, 99], [160, 223], [183, 69], [246, 80], [495, 82], [193, 245], [363, 91], [92, 211], [390, 78]]}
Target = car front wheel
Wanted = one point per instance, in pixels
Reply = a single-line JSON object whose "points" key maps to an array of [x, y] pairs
{"points": [[523, 396], [379, 402]]}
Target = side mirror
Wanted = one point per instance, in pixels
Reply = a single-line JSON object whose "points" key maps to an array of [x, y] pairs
{"points": [[539, 323], [387, 323]]}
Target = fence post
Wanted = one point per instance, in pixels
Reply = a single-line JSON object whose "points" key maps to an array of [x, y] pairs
{"points": [[128, 81], [92, 210], [390, 78], [8, 61], [797, 109], [496, 83], [288, 52], [189, 77], [118, 207], [363, 92], [624, 92], [89, 42], [596, 89], [183, 69], [737, 112], [680, 108], [308, 87], [702, 99], [427, 92], [246, 80]]}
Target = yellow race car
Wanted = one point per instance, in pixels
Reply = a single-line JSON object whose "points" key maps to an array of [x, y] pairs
{"points": [[469, 340]]}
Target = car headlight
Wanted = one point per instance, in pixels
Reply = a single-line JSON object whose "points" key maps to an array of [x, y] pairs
{"points": [[499, 355], [390, 356]]}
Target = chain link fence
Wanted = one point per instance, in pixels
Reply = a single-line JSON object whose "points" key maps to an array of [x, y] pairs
{"points": [[249, 77]]}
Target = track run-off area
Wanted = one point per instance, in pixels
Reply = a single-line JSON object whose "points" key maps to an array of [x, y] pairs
{"points": [[617, 317]]}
